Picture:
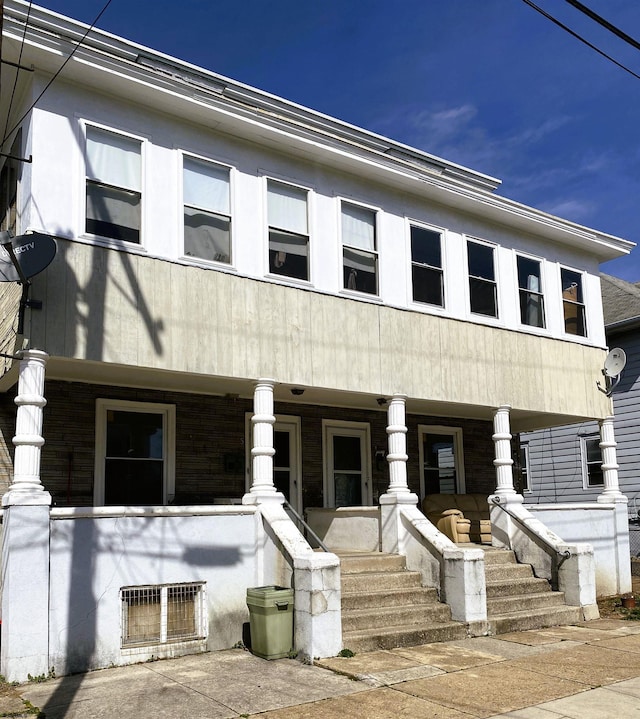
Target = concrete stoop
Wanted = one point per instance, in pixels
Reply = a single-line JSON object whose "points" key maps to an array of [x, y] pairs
{"points": [[517, 600], [385, 606]]}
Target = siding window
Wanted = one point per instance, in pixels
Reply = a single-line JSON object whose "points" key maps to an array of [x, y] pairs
{"points": [[113, 191], [483, 296], [426, 266], [160, 614], [359, 249], [288, 230], [524, 468], [135, 449], [530, 291], [207, 217], [573, 303], [592, 475]]}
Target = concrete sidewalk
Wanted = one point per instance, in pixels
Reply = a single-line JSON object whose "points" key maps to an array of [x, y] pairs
{"points": [[586, 671]]}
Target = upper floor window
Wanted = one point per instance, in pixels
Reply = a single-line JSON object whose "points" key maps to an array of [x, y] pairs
{"points": [[592, 475], [573, 303], [288, 230], [483, 296], [9, 188], [113, 185], [426, 266], [359, 249], [207, 217], [530, 290]]}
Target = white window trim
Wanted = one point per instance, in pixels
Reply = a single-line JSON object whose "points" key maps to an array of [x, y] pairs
{"points": [[377, 227], [416, 304], [346, 428], [583, 462], [458, 452], [285, 279], [99, 239], [547, 330], [168, 411], [473, 316], [524, 446], [201, 261]]}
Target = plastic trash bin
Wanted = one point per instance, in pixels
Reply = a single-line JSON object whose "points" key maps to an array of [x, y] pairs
{"points": [[271, 621]]}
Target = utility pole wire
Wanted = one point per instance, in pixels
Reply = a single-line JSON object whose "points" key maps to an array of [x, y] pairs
{"points": [[579, 37], [60, 69], [16, 76], [605, 23]]}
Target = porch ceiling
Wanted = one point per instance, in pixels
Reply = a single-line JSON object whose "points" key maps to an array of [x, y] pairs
{"points": [[149, 378]]}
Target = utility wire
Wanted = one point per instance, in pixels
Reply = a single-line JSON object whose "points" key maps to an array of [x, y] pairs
{"points": [[53, 79], [579, 37], [605, 23]]}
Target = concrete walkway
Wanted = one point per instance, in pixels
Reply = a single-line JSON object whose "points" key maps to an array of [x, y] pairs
{"points": [[586, 671]]}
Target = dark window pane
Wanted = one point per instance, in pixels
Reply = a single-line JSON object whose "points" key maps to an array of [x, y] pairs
{"points": [[573, 319], [571, 285], [134, 435], [427, 285], [439, 464], [425, 247], [288, 254], [133, 482], [483, 297], [594, 453], [360, 271], [480, 261], [346, 453], [206, 235], [529, 274], [281, 444], [531, 309], [281, 480], [112, 212], [348, 490]]}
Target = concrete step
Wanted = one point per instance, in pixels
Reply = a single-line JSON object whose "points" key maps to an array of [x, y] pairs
{"points": [[371, 562], [524, 602], [510, 587], [373, 581], [493, 556], [384, 617], [388, 598], [533, 619], [496, 572], [393, 637]]}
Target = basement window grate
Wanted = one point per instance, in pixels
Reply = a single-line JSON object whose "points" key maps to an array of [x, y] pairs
{"points": [[159, 614]]}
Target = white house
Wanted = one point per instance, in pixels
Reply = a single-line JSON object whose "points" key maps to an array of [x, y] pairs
{"points": [[252, 301]]}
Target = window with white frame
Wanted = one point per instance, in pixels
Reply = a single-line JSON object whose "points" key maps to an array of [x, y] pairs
{"points": [[207, 214], [114, 185], [524, 468], [592, 475], [359, 249], [160, 614], [135, 451], [530, 291], [288, 230], [483, 293], [426, 266], [573, 303], [441, 458]]}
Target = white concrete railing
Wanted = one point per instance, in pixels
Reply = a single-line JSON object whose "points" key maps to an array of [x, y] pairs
{"points": [[569, 567]]}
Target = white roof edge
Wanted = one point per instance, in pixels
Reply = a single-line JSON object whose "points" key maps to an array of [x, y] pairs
{"points": [[464, 183]]}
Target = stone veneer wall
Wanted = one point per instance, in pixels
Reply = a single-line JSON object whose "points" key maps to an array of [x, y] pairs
{"points": [[210, 443]]}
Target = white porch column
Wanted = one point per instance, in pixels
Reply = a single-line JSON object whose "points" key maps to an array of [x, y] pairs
{"points": [[26, 487], [503, 461], [393, 533], [610, 465], [262, 450]]}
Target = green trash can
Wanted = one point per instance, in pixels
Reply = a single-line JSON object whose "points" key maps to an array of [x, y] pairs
{"points": [[271, 621]]}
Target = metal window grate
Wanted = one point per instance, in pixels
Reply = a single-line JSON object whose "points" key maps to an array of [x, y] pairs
{"points": [[162, 613]]}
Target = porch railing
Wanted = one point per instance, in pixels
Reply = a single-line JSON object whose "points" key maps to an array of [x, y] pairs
{"points": [[306, 529]]}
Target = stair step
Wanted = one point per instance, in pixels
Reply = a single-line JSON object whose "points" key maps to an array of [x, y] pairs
{"points": [[388, 598], [495, 572], [371, 581], [371, 562], [407, 616], [524, 602], [534, 619], [393, 637], [510, 587], [494, 556]]}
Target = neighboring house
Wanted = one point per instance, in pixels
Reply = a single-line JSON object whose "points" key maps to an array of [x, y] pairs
{"points": [[563, 464], [252, 301]]}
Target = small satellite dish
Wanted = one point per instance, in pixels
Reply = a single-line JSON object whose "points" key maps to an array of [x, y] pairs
{"points": [[614, 362], [613, 365], [33, 252]]}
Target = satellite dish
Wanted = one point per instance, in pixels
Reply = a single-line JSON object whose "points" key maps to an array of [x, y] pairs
{"points": [[33, 253], [614, 362]]}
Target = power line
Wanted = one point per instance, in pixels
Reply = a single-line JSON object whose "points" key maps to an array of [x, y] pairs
{"points": [[605, 23], [17, 73], [53, 79], [579, 37]]}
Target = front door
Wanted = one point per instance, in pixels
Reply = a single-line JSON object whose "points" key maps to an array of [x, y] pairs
{"points": [[286, 460], [347, 465]]}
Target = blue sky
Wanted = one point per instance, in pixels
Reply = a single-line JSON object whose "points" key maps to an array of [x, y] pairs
{"points": [[490, 84]]}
